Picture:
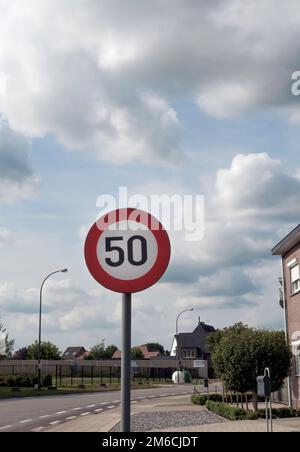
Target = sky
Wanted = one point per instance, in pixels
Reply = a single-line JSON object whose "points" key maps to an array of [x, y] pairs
{"points": [[182, 97]]}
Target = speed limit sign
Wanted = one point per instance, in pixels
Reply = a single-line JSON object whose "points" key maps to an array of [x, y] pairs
{"points": [[127, 250]]}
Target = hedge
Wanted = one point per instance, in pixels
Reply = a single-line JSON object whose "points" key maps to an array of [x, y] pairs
{"points": [[199, 399], [226, 411], [21, 381], [239, 414]]}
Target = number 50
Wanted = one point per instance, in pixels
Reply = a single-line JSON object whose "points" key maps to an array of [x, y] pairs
{"points": [[110, 247]]}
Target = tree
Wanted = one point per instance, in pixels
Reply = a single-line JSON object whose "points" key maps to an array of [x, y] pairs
{"points": [[136, 353], [101, 351], [8, 343], [155, 347], [49, 351], [109, 351], [21, 354], [240, 354]]}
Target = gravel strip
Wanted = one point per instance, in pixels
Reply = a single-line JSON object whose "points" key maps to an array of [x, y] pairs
{"points": [[144, 422]]}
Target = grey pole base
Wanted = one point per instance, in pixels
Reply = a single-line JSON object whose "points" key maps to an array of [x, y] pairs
{"points": [[126, 364]]}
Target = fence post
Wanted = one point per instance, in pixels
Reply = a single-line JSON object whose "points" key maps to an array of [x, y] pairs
{"points": [[92, 372], [60, 376], [56, 375], [82, 375], [110, 375], [71, 375]]}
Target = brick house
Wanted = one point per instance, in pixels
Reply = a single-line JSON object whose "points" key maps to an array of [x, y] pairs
{"points": [[289, 250], [193, 345], [143, 349], [75, 353]]}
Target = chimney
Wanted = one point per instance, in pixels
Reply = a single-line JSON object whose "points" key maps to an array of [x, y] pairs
{"points": [[199, 320]]}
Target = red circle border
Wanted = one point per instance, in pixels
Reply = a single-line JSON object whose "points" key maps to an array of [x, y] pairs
{"points": [[145, 281]]}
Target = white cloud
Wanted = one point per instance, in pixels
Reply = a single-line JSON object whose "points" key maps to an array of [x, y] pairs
{"points": [[6, 236], [83, 70]]}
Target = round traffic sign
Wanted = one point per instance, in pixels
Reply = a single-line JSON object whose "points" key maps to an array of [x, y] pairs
{"points": [[127, 250]]}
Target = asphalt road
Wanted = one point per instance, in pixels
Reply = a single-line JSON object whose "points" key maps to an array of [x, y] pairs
{"points": [[37, 413]]}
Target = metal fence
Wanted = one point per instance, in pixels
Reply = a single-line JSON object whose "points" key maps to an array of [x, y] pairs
{"points": [[100, 372]]}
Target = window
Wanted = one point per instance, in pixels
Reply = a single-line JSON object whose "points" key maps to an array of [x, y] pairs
{"points": [[295, 278], [296, 353]]}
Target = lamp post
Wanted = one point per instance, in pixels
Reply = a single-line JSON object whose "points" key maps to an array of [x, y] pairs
{"points": [[40, 323], [177, 347]]}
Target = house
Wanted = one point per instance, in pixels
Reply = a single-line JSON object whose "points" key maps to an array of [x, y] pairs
{"points": [[75, 353], [144, 350], [289, 250], [193, 345]]}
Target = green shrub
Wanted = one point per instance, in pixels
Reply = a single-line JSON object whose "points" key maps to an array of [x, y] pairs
{"points": [[226, 411], [19, 381], [47, 381], [201, 399]]}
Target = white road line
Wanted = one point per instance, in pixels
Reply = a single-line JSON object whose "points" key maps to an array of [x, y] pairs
{"points": [[38, 429], [45, 416], [111, 407], [115, 401], [141, 398], [6, 427], [55, 423], [85, 414], [98, 411], [71, 418], [77, 409], [91, 406], [61, 412], [26, 421], [104, 403], [134, 401]]}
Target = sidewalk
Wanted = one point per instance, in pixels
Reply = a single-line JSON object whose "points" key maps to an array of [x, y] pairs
{"points": [[107, 420]]}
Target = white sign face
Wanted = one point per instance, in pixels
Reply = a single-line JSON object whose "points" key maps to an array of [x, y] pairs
{"points": [[2, 343], [127, 252], [134, 364], [200, 364]]}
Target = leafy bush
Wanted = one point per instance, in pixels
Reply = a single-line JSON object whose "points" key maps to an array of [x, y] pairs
{"points": [[47, 381], [238, 414], [199, 399], [18, 381], [226, 411], [280, 413]]}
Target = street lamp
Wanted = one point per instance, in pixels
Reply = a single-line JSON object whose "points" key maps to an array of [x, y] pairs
{"points": [[40, 322], [177, 348]]}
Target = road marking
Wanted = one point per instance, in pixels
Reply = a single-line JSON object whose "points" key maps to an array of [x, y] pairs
{"points": [[104, 403], [38, 429], [85, 414], [111, 407], [26, 421], [77, 409], [142, 398], [91, 406], [61, 412], [5, 427], [55, 423], [45, 416], [98, 411], [134, 401], [115, 401], [71, 418]]}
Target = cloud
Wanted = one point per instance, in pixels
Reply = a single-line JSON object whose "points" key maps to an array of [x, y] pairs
{"points": [[17, 180], [6, 236], [106, 76]]}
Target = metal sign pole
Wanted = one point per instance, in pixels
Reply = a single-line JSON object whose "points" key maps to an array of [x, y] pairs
{"points": [[126, 364]]}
